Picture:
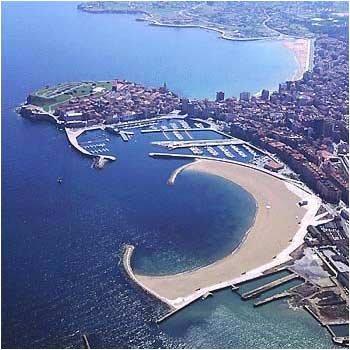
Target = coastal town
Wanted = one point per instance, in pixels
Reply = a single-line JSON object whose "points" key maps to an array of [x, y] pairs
{"points": [[298, 134], [304, 123]]}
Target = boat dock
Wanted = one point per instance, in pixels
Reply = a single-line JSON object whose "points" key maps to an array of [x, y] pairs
{"points": [[340, 339], [123, 136], [198, 143], [257, 291], [169, 155], [147, 131], [126, 135], [178, 135], [196, 150], [188, 134], [227, 153], [212, 151], [272, 298]]}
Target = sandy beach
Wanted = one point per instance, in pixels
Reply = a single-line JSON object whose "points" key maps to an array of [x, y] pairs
{"points": [[302, 50], [276, 222]]}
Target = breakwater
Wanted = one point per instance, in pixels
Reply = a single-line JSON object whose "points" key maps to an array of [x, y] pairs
{"points": [[73, 134]]}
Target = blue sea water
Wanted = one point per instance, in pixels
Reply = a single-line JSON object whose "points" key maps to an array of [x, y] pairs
{"points": [[61, 244]]}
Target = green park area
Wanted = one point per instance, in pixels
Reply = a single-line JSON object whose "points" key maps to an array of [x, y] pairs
{"points": [[52, 96]]}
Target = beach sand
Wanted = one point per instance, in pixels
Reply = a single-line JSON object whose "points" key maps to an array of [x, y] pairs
{"points": [[302, 51], [276, 223]]}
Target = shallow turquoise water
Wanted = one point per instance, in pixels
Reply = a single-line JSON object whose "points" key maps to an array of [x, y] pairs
{"points": [[205, 324]]}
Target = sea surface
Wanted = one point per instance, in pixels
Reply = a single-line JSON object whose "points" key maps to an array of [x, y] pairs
{"points": [[62, 244]]}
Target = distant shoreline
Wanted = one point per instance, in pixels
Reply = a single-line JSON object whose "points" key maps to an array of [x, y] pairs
{"points": [[220, 31], [301, 47], [155, 22], [303, 56]]}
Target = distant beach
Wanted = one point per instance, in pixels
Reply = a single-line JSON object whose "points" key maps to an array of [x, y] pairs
{"points": [[277, 221], [302, 50], [301, 47]]}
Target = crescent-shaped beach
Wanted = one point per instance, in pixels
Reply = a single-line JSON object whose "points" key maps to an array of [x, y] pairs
{"points": [[279, 228]]}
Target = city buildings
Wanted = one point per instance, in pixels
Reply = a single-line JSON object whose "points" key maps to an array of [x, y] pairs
{"points": [[304, 123]]}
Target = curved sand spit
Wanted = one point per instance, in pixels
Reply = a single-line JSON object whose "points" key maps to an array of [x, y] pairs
{"points": [[279, 228]]}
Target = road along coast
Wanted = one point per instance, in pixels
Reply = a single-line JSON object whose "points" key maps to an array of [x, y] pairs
{"points": [[279, 228]]}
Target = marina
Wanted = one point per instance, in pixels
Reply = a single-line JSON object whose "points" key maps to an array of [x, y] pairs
{"points": [[168, 127], [174, 130]]}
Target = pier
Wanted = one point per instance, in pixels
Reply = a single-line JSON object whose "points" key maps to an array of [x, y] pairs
{"points": [[198, 143], [169, 155], [272, 298], [188, 134], [147, 131], [257, 291], [125, 135]]}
